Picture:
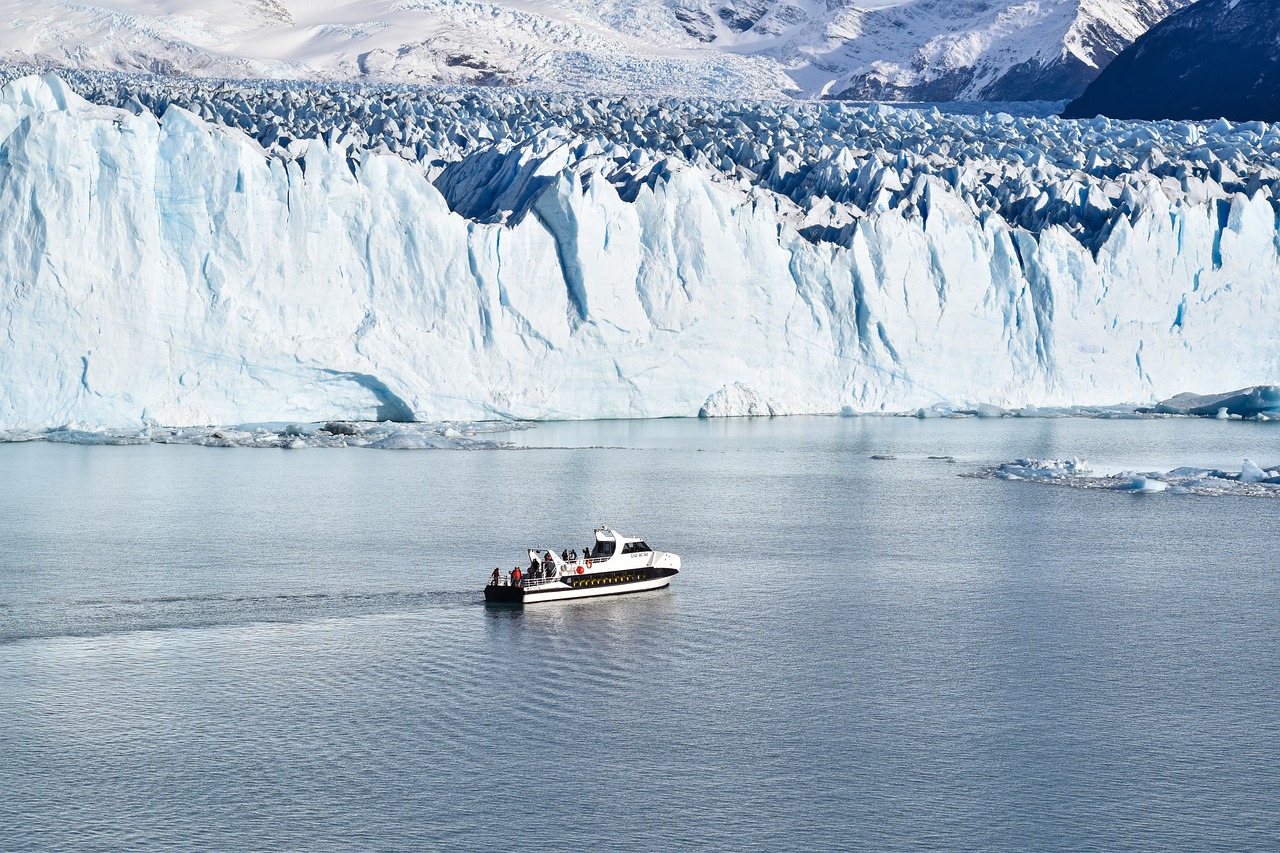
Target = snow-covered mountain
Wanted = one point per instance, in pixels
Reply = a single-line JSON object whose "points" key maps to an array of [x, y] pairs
{"points": [[1217, 58], [861, 49], [940, 50], [479, 254]]}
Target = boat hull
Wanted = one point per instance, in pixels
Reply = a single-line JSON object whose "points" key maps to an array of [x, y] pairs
{"points": [[592, 585]]}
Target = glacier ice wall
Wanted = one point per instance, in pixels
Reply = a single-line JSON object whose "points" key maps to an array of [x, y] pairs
{"points": [[173, 271]]}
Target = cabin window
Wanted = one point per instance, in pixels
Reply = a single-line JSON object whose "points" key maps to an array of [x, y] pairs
{"points": [[602, 550], [635, 548]]}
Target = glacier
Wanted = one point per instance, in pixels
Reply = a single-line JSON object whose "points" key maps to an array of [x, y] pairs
{"points": [[176, 253]]}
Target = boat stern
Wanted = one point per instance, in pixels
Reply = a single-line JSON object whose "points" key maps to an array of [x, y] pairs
{"points": [[503, 594]]}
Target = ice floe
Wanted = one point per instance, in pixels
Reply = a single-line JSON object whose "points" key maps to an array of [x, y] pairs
{"points": [[1252, 480]]}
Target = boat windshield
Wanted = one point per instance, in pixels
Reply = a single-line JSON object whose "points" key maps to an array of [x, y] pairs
{"points": [[635, 548]]}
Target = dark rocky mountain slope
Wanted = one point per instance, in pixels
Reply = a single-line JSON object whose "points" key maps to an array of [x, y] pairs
{"points": [[1215, 59]]}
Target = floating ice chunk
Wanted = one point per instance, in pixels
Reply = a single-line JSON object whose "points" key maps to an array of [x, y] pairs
{"points": [[1145, 485], [1251, 473], [404, 441], [737, 401], [1042, 469]]}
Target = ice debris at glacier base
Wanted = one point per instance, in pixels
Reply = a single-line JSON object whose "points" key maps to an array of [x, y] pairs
{"points": [[375, 436], [1252, 480], [464, 255], [1258, 403]]}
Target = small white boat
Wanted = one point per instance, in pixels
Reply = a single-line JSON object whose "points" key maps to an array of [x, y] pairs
{"points": [[613, 565]]}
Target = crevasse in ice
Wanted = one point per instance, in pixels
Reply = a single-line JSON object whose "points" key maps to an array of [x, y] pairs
{"points": [[501, 255]]}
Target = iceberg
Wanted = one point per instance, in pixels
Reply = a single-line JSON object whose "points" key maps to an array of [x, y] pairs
{"points": [[1259, 401], [183, 254], [738, 401]]}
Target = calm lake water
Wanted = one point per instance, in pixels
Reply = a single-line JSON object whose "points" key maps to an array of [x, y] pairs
{"points": [[255, 649]]}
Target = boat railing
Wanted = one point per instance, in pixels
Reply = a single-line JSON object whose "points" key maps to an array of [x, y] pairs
{"points": [[529, 582], [523, 581]]}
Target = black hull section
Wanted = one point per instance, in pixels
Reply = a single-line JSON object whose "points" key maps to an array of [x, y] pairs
{"points": [[503, 595]]}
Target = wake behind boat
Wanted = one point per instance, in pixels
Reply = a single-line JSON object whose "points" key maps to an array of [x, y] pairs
{"points": [[613, 565]]}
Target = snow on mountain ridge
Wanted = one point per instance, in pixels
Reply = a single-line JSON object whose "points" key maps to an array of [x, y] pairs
{"points": [[167, 271], [891, 49], [941, 50]]}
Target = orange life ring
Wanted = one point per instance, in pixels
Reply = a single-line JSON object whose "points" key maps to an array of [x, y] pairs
{"points": [[588, 562], [579, 569]]}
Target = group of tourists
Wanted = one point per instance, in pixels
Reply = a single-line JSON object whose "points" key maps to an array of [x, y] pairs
{"points": [[538, 569]]}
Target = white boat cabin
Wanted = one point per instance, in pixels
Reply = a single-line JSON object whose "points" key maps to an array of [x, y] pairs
{"points": [[609, 544]]}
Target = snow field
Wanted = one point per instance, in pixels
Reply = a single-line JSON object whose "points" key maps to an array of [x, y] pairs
{"points": [[881, 49]]}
